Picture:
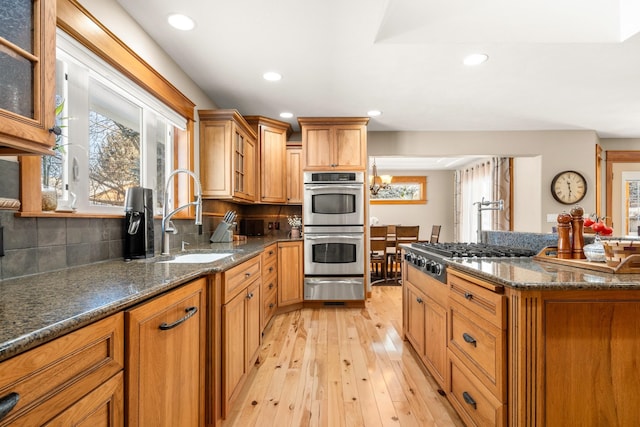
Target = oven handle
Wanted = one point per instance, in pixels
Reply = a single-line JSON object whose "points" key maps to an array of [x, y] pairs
{"points": [[333, 187], [332, 236]]}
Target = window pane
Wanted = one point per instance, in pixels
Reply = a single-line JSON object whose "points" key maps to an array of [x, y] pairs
{"points": [[16, 84], [16, 23], [114, 146]]}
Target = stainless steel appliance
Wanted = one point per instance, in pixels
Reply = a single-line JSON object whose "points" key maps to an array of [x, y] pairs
{"points": [[337, 251], [333, 198], [138, 223], [431, 258], [334, 245]]}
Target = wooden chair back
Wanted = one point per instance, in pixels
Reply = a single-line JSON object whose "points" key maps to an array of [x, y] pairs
{"points": [[378, 238], [407, 234], [435, 234]]}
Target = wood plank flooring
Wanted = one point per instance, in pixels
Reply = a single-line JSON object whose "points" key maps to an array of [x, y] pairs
{"points": [[339, 366]]}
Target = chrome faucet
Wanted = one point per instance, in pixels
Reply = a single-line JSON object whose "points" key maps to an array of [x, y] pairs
{"points": [[167, 225], [486, 205]]}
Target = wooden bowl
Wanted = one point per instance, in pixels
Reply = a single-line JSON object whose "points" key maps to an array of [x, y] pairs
{"points": [[616, 251]]}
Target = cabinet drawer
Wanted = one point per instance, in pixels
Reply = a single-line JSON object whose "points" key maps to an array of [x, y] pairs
{"points": [[269, 283], [476, 295], [270, 253], [473, 402], [270, 305], [480, 345], [50, 378], [239, 277], [437, 291]]}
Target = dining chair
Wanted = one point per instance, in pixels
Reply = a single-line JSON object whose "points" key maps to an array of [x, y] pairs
{"points": [[404, 234], [435, 234], [378, 249]]}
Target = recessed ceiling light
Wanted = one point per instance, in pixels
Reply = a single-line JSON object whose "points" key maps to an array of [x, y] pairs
{"points": [[272, 76], [181, 22], [374, 113], [475, 59], [286, 115]]}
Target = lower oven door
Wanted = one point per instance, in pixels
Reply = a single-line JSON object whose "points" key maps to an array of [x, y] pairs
{"points": [[334, 288], [333, 254]]}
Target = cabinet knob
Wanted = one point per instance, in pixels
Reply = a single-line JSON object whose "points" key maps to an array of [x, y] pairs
{"points": [[419, 300], [270, 269], [468, 295], [250, 295], [271, 305], [247, 275], [7, 403], [270, 285]]}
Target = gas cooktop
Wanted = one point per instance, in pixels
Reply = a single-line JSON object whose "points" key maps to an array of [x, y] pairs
{"points": [[473, 250], [430, 257]]}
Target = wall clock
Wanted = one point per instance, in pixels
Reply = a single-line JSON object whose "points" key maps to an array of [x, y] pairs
{"points": [[569, 187]]}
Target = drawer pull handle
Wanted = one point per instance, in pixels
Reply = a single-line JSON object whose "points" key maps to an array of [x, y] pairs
{"points": [[467, 398], [247, 274], [419, 300], [270, 252], [190, 312], [468, 295], [471, 340], [7, 403]]}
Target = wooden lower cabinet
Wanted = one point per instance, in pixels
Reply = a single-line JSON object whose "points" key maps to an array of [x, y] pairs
{"points": [[166, 359], [269, 291], [290, 273], [73, 380], [574, 358], [426, 320], [241, 332]]}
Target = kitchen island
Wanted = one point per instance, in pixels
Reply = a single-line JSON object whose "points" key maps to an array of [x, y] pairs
{"points": [[530, 343]]}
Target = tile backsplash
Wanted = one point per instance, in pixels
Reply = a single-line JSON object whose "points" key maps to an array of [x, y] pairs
{"points": [[39, 245]]}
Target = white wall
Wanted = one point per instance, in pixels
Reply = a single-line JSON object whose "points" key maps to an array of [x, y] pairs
{"points": [[558, 151], [527, 188], [437, 211]]}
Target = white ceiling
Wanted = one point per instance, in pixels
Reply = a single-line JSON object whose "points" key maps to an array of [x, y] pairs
{"points": [[552, 65]]}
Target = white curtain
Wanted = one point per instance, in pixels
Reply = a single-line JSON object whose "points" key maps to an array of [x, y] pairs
{"points": [[488, 179]]}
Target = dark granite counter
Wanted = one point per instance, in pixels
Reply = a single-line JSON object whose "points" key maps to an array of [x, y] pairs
{"points": [[38, 308], [529, 274]]}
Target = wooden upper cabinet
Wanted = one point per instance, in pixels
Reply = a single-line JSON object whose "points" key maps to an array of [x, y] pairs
{"points": [[27, 81], [228, 156], [272, 141], [334, 143], [294, 175]]}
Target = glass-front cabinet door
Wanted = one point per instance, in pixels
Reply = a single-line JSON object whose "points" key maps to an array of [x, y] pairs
{"points": [[27, 76]]}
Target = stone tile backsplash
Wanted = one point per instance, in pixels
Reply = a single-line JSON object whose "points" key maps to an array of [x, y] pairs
{"points": [[39, 245]]}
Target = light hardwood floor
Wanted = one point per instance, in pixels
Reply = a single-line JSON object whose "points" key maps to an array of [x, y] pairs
{"points": [[341, 367]]}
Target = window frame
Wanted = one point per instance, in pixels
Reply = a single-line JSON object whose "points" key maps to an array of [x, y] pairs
{"points": [[398, 180], [76, 21]]}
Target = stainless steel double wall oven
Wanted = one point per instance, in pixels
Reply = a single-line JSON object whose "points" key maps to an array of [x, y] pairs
{"points": [[334, 252]]}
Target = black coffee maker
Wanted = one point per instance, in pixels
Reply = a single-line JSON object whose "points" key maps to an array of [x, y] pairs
{"points": [[138, 223]]}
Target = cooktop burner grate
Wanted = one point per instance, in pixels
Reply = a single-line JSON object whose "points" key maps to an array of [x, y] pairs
{"points": [[474, 250]]}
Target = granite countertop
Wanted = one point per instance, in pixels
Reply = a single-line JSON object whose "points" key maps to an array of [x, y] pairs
{"points": [[38, 308], [530, 274]]}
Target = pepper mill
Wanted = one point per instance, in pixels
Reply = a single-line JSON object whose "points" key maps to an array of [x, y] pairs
{"points": [[577, 226], [564, 240]]}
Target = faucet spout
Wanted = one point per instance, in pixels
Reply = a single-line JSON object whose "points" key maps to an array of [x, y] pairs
{"points": [[486, 205], [167, 225]]}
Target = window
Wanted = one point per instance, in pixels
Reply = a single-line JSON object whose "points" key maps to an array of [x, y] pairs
{"points": [[402, 190], [115, 135]]}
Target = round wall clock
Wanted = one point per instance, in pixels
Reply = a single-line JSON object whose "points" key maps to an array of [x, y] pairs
{"points": [[569, 187]]}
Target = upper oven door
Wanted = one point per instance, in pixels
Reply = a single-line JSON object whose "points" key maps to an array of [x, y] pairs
{"points": [[333, 254], [334, 204]]}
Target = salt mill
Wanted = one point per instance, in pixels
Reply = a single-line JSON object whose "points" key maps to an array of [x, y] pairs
{"points": [[577, 226], [564, 239]]}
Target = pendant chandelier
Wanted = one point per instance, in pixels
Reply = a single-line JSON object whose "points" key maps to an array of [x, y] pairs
{"points": [[378, 183]]}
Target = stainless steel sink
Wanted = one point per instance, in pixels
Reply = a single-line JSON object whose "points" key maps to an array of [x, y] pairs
{"points": [[197, 258]]}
